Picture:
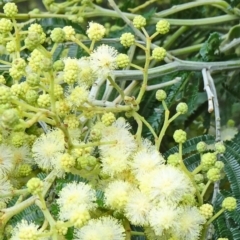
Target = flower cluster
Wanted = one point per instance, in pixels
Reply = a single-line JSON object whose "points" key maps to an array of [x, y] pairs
{"points": [[66, 141]]}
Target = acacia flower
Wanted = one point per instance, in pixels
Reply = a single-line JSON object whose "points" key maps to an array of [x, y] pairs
{"points": [[137, 208], [190, 223], [26, 231], [163, 218], [117, 193], [115, 156], [75, 196], [146, 161], [6, 159], [103, 61], [170, 184], [5, 188], [48, 149], [104, 228]]}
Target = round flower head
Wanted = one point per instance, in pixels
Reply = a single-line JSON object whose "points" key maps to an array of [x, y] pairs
{"points": [[190, 223], [22, 155], [74, 195], [115, 156], [104, 228], [146, 161], [48, 149], [86, 74], [6, 159], [163, 218], [5, 188], [117, 193], [103, 61], [137, 208], [77, 96], [169, 184], [26, 231], [96, 31]]}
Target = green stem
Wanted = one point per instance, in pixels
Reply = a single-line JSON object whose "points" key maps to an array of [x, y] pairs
{"points": [[197, 169], [164, 127], [113, 83], [172, 39], [186, 50], [205, 188], [177, 8], [185, 170], [141, 6], [139, 129], [145, 71], [147, 124], [80, 44], [206, 225], [135, 233]]}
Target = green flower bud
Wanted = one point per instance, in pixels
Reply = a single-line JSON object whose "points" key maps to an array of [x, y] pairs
{"points": [[201, 147], [180, 136], [71, 121], [208, 160], [173, 159], [139, 21], [57, 35], [67, 162], [44, 100], [161, 95], [229, 203], [24, 170], [213, 174], [96, 31], [108, 118], [198, 178], [182, 108], [10, 9], [31, 96], [206, 210], [219, 165], [6, 25], [159, 53], [127, 39], [33, 79], [35, 186], [58, 65], [220, 148], [122, 60], [60, 227], [9, 118], [163, 26], [69, 32]]}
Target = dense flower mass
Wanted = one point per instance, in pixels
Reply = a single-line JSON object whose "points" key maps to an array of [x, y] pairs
{"points": [[88, 147]]}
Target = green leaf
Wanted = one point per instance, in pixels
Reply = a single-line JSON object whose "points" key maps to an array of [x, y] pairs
{"points": [[232, 167], [209, 48]]}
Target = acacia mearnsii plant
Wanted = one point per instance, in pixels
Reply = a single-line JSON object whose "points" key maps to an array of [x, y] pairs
{"points": [[118, 121]]}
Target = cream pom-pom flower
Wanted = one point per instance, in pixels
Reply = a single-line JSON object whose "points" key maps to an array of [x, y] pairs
{"points": [[6, 160], [115, 156], [137, 208], [73, 196], [117, 193], [104, 228], [169, 184], [103, 61], [190, 223], [48, 149]]}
